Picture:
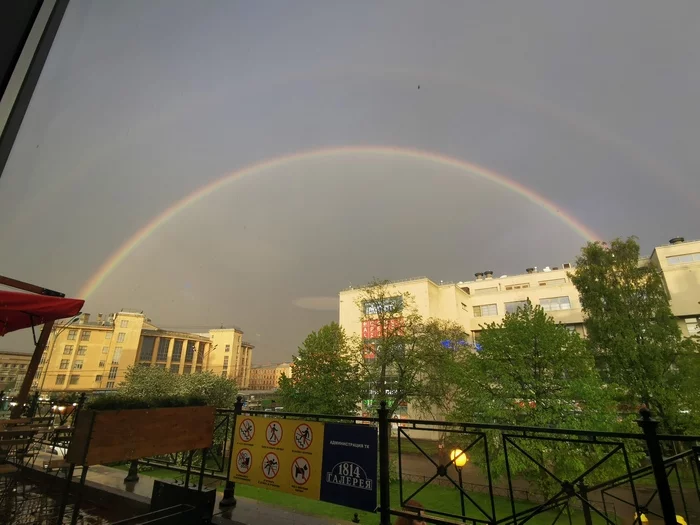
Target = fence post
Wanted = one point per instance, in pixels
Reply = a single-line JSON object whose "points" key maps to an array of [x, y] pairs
{"points": [[656, 457], [384, 475], [583, 492], [133, 474], [229, 499]]}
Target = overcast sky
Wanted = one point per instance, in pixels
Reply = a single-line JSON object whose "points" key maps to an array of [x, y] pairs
{"points": [[593, 105]]}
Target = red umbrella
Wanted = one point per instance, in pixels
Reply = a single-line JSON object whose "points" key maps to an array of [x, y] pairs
{"points": [[23, 310]]}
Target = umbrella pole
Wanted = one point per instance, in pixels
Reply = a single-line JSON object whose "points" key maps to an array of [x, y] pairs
{"points": [[31, 369]]}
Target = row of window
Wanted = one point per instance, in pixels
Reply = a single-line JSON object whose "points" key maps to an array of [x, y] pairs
{"points": [[683, 259], [14, 365], [148, 346], [549, 304], [86, 334]]}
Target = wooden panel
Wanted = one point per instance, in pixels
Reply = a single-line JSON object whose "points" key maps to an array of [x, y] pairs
{"points": [[123, 435]]}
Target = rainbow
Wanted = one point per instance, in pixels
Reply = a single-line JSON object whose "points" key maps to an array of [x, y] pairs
{"points": [[259, 167]]}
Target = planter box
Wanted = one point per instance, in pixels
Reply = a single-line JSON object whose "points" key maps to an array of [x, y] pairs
{"points": [[109, 436]]}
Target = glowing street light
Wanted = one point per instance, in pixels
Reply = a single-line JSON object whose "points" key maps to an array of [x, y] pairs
{"points": [[459, 459]]}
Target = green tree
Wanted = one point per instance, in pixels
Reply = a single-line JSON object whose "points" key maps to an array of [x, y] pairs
{"points": [[532, 371], [324, 379], [631, 330]]}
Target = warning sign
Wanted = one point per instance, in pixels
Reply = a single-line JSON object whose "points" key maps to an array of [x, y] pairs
{"points": [[301, 470], [270, 465], [274, 433], [244, 461], [278, 454], [246, 430], [303, 436]]}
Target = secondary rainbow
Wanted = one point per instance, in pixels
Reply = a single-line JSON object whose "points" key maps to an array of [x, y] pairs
{"points": [[257, 168]]}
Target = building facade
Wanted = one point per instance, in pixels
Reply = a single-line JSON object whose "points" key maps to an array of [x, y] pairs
{"points": [[87, 355], [267, 377], [13, 368], [473, 304], [230, 356]]}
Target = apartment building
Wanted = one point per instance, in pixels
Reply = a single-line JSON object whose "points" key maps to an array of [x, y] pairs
{"points": [[94, 355], [486, 299], [230, 356], [267, 377], [13, 367]]}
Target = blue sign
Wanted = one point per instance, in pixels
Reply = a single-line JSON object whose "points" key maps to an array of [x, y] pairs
{"points": [[349, 475]]}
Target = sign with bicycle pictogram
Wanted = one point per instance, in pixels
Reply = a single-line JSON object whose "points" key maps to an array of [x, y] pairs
{"points": [[327, 461], [246, 430]]}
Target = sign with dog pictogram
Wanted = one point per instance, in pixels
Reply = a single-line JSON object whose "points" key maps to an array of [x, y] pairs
{"points": [[326, 461]]}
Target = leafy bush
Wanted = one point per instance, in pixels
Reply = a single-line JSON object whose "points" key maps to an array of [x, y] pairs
{"points": [[121, 402]]}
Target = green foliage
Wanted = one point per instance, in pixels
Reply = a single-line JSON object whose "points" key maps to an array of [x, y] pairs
{"points": [[632, 331], [324, 380], [121, 402], [155, 386], [405, 359], [532, 371]]}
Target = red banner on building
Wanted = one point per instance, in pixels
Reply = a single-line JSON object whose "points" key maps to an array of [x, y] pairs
{"points": [[372, 328]]}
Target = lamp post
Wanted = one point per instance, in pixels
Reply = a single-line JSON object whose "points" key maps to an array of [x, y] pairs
{"points": [[459, 459]]}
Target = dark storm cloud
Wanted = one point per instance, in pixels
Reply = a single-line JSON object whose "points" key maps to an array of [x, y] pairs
{"points": [[591, 104]]}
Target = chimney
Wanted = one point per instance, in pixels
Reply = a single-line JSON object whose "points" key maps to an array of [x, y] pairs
{"points": [[677, 240], [84, 318], [488, 274], [479, 276], [99, 318], [530, 270]]}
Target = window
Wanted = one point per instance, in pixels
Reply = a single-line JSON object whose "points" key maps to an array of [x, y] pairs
{"points": [[187, 369], [101, 364], [555, 303], [124, 324], [78, 364], [147, 348], [517, 286], [226, 363], [108, 336], [175, 368], [163, 350], [691, 324], [121, 337], [485, 310], [200, 353], [513, 306], [177, 351], [117, 355], [683, 259], [67, 350], [553, 282], [490, 289], [85, 335], [105, 349], [189, 354], [98, 378], [64, 364], [113, 372], [74, 379], [228, 348], [72, 335], [61, 379], [14, 365], [82, 350], [198, 368], [110, 384]]}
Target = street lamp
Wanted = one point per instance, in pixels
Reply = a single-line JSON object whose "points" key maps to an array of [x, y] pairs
{"points": [[459, 459]]}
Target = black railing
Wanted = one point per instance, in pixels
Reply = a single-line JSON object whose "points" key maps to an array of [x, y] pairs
{"points": [[624, 477]]}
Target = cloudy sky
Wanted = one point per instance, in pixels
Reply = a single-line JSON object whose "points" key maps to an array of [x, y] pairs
{"points": [[591, 105]]}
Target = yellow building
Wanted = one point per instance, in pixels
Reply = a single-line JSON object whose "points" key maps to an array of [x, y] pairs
{"points": [[267, 377], [230, 356], [13, 367]]}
